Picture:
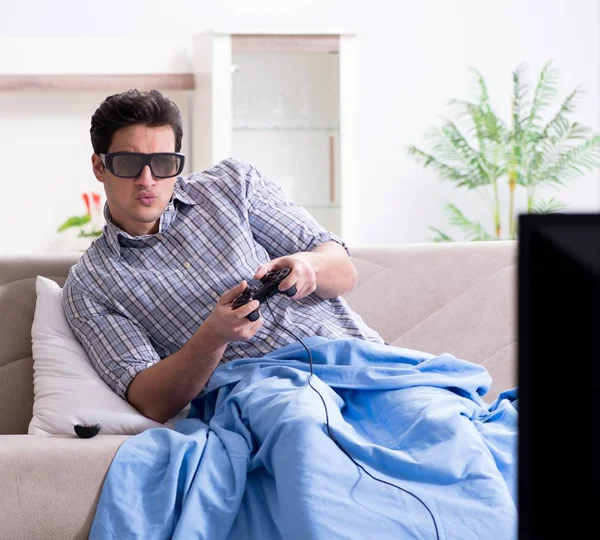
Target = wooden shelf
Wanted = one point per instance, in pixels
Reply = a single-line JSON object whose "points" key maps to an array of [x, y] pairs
{"points": [[245, 43], [325, 206], [285, 128], [97, 82]]}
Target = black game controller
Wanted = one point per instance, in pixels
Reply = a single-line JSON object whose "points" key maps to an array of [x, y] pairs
{"points": [[269, 286]]}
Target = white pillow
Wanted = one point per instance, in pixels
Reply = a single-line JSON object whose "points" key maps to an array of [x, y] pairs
{"points": [[67, 388]]}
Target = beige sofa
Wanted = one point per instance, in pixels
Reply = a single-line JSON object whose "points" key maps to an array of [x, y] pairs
{"points": [[458, 298]]}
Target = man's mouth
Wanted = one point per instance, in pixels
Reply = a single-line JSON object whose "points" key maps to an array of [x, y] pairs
{"points": [[146, 198]]}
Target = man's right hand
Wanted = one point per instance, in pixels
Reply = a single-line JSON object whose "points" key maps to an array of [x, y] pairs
{"points": [[162, 390], [227, 324]]}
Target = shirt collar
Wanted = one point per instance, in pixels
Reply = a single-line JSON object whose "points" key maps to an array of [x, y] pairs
{"points": [[181, 194], [113, 232]]}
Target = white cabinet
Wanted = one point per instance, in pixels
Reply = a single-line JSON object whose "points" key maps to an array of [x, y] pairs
{"points": [[287, 104]]}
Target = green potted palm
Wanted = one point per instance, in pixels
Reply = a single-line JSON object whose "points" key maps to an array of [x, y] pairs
{"points": [[487, 154]]}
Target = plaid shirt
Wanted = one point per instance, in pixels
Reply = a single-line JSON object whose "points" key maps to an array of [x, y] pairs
{"points": [[133, 300]]}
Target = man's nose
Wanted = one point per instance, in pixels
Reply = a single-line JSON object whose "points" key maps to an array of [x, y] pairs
{"points": [[145, 178]]}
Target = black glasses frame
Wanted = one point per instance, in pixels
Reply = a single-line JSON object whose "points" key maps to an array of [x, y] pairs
{"points": [[107, 160]]}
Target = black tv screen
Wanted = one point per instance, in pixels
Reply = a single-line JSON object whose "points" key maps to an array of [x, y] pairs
{"points": [[559, 376]]}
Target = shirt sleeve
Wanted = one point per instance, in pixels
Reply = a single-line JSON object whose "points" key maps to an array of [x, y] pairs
{"points": [[117, 347], [278, 224]]}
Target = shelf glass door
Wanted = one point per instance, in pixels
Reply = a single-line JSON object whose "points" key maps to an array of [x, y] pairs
{"points": [[286, 123]]}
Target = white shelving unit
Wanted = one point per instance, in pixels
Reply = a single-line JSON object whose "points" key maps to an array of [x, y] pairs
{"points": [[287, 104]]}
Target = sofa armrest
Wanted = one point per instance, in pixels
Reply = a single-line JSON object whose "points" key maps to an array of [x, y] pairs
{"points": [[49, 486]]}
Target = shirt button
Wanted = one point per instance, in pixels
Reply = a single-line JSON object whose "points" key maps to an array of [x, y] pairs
{"points": [[214, 294], [186, 265], [270, 340]]}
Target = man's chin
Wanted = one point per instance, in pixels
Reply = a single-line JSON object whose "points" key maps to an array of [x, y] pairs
{"points": [[148, 213], [149, 217]]}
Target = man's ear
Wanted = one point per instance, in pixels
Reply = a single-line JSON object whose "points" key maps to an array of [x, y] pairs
{"points": [[98, 167]]}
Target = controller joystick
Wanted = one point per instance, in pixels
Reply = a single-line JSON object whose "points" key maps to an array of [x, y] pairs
{"points": [[269, 285]]}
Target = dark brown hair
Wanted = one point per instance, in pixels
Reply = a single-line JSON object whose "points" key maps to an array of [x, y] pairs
{"points": [[149, 108]]}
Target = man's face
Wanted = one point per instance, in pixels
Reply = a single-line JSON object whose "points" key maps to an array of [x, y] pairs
{"points": [[136, 204]]}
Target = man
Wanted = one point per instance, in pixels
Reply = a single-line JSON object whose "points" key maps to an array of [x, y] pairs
{"points": [[151, 302], [151, 299]]}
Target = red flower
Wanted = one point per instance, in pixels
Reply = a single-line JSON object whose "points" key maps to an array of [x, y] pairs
{"points": [[86, 200], [96, 198]]}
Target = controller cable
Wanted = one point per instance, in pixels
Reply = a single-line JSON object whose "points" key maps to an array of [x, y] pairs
{"points": [[332, 436]]}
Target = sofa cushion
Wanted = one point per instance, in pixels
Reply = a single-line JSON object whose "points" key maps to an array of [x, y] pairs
{"points": [[51, 485], [17, 303], [16, 396], [67, 388], [17, 299], [457, 298]]}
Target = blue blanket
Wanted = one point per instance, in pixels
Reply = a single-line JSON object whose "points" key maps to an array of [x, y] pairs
{"points": [[253, 459]]}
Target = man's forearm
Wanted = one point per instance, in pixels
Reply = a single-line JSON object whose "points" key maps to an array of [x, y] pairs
{"points": [[336, 274], [164, 389]]}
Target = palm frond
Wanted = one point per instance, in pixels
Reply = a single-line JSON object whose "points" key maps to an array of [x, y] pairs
{"points": [[443, 149], [579, 132], [488, 129], [481, 109], [484, 95], [572, 163], [519, 100], [474, 161], [472, 229], [515, 141], [548, 151], [544, 94], [441, 236], [470, 114], [484, 124], [567, 107], [453, 157], [547, 206], [543, 149], [446, 172], [493, 127]]}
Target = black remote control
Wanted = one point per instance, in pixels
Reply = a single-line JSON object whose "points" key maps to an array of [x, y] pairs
{"points": [[86, 431], [269, 286]]}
